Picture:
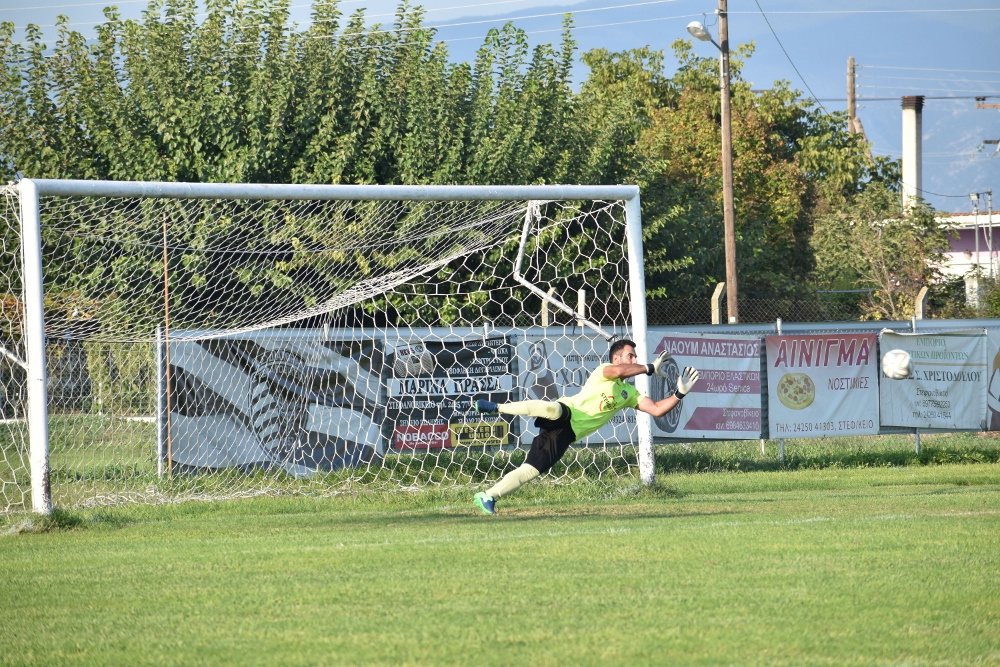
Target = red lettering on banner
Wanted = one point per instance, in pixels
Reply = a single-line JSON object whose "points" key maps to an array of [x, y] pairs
{"points": [[423, 436], [817, 351], [710, 347]]}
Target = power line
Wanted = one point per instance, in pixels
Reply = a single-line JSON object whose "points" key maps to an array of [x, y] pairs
{"points": [[202, 15], [969, 154], [788, 57], [72, 6], [928, 78], [535, 16], [450, 40], [108, 3], [396, 30], [880, 11], [937, 194], [37, 7], [930, 69], [498, 19], [971, 93], [926, 97]]}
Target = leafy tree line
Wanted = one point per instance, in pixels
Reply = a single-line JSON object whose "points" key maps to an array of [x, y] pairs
{"points": [[243, 96]]}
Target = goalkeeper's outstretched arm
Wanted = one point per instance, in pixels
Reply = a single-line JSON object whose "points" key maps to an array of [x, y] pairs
{"points": [[623, 371], [623, 365], [685, 382]]}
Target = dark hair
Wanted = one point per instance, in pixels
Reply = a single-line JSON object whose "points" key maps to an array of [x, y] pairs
{"points": [[618, 345]]}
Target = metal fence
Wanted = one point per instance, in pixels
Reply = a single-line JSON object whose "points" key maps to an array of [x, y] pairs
{"points": [[941, 302], [817, 307]]}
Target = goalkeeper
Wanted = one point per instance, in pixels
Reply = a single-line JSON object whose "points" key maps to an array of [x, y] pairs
{"points": [[567, 420]]}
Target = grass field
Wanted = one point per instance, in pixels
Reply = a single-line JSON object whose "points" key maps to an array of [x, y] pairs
{"points": [[822, 565]]}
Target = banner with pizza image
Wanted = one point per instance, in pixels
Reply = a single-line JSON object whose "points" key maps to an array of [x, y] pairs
{"points": [[822, 384]]}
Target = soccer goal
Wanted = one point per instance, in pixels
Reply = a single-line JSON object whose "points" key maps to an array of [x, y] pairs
{"points": [[164, 341]]}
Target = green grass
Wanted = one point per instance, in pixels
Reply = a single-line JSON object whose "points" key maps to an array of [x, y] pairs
{"points": [[118, 462], [831, 563]]}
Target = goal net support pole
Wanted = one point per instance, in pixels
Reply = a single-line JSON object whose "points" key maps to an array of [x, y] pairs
{"points": [[637, 285], [34, 333]]}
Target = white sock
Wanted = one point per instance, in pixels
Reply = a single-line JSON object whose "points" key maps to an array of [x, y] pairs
{"points": [[545, 409], [513, 480]]}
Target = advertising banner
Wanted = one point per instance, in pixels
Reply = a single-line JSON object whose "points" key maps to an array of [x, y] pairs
{"points": [[726, 401], [430, 385], [286, 399], [552, 368], [993, 383], [822, 384], [948, 384]]}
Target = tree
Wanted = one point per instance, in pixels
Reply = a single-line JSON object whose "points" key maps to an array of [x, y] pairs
{"points": [[242, 96], [791, 159], [874, 244]]}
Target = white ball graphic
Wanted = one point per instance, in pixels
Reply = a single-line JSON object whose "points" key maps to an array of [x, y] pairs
{"points": [[896, 364], [413, 360]]}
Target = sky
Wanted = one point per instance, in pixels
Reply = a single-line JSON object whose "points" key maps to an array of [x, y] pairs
{"points": [[946, 50]]}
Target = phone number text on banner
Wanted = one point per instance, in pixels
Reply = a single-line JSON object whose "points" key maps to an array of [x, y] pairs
{"points": [[947, 386], [430, 386], [725, 403]]}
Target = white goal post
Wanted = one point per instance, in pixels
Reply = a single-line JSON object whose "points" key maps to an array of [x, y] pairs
{"points": [[173, 340]]}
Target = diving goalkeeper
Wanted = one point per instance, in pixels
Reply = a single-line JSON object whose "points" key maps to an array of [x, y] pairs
{"points": [[563, 422]]}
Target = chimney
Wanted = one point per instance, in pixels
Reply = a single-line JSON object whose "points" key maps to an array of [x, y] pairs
{"points": [[912, 152]]}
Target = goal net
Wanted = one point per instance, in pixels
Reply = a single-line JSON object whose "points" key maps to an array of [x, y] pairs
{"points": [[170, 341]]}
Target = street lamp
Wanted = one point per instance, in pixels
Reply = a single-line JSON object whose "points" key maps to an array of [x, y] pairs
{"points": [[699, 32]]}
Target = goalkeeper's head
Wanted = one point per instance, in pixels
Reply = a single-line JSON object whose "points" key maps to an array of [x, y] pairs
{"points": [[618, 346]]}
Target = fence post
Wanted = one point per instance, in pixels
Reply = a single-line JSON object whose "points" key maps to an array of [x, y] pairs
{"points": [[720, 290], [545, 307], [920, 303]]}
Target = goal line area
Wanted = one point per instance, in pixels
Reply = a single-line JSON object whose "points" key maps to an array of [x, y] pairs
{"points": [[165, 340]]}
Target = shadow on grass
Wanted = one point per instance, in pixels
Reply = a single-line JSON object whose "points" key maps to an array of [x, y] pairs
{"points": [[64, 520], [818, 454], [595, 514]]}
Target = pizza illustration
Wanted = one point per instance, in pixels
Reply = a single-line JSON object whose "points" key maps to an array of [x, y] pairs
{"points": [[796, 391]]}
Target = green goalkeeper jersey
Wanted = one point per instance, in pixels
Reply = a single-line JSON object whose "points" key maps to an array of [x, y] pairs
{"points": [[599, 400]]}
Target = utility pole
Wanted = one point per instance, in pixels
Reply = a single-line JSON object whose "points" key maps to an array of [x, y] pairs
{"points": [[854, 125], [989, 208], [852, 108], [974, 198], [699, 32], [728, 208]]}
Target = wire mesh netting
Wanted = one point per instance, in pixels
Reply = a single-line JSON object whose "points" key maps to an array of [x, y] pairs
{"points": [[218, 348]]}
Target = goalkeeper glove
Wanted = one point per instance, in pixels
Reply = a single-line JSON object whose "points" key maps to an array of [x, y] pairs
{"points": [[685, 382], [659, 361]]}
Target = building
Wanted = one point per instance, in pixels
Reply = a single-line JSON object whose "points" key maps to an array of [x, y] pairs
{"points": [[965, 252]]}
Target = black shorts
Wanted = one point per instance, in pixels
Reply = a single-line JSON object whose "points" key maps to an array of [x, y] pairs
{"points": [[554, 438]]}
